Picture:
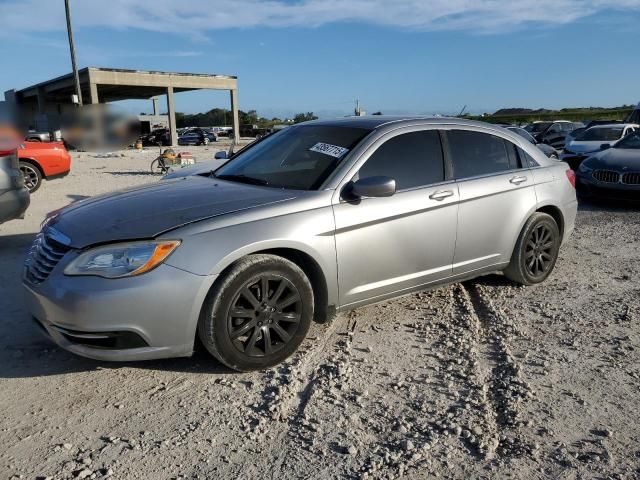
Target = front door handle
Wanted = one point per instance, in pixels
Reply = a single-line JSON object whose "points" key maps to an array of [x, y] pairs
{"points": [[440, 195], [518, 179]]}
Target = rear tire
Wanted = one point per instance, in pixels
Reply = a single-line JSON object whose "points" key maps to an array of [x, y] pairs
{"points": [[32, 176], [258, 314], [536, 250]]}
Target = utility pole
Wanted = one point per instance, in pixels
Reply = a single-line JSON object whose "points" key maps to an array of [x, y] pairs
{"points": [[73, 52]]}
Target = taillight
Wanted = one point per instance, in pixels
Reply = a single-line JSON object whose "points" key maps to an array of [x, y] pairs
{"points": [[571, 176]]}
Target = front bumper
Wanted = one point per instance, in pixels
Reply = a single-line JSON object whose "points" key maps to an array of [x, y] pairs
{"points": [[151, 316], [13, 204], [587, 186]]}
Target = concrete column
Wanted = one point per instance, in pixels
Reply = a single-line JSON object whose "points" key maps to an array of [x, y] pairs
{"points": [[156, 109], [172, 117], [93, 93], [235, 118]]}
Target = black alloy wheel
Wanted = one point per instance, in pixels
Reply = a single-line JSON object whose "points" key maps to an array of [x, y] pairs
{"points": [[536, 251], [539, 256], [264, 315], [257, 313]]}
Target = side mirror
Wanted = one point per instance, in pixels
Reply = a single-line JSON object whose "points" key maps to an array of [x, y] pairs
{"points": [[604, 146], [220, 155], [372, 187]]}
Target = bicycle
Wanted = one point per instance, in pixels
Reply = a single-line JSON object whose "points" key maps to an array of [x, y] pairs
{"points": [[160, 165]]}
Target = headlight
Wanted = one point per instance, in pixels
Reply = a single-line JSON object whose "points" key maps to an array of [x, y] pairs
{"points": [[122, 259]]}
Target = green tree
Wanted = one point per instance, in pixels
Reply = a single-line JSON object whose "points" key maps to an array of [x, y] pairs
{"points": [[304, 117]]}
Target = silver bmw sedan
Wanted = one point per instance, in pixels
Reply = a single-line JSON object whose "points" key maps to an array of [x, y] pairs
{"points": [[315, 219]]}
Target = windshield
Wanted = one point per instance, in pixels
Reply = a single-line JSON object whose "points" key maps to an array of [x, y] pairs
{"points": [[601, 134], [634, 117], [631, 141], [537, 127], [300, 157]]}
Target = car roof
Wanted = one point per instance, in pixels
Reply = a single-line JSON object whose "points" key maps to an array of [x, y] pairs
{"points": [[376, 121], [610, 125]]}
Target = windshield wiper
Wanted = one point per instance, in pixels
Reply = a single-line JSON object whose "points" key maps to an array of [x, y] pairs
{"points": [[242, 179]]}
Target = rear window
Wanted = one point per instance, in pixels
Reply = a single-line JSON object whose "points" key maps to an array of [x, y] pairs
{"points": [[476, 153]]}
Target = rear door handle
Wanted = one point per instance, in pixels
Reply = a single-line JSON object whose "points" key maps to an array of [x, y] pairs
{"points": [[440, 195], [518, 179]]}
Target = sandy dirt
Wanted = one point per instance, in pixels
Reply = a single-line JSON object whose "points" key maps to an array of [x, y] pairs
{"points": [[482, 379]]}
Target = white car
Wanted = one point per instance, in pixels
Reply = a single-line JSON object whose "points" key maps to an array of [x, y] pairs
{"points": [[593, 140]]}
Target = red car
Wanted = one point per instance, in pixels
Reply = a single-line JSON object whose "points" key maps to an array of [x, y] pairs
{"points": [[40, 160]]}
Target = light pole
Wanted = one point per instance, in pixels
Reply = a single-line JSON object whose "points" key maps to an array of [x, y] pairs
{"points": [[73, 52]]}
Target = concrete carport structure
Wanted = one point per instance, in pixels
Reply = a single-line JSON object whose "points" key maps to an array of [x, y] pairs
{"points": [[44, 103]]}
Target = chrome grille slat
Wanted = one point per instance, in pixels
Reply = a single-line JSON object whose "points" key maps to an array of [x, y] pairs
{"points": [[44, 255], [631, 178], [606, 176]]}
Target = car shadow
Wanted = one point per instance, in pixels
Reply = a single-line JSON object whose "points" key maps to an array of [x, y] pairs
{"points": [[25, 352], [607, 205], [77, 198], [134, 173]]}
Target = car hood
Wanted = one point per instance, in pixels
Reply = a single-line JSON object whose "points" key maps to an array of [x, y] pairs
{"points": [[585, 147], [150, 210], [620, 159], [199, 168]]}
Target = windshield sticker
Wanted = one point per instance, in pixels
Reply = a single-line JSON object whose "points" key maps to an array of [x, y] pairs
{"points": [[328, 149]]}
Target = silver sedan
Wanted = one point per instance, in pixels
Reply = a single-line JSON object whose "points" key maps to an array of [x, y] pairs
{"points": [[316, 219]]}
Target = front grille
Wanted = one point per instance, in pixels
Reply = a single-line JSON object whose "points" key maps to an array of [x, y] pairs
{"points": [[43, 257], [631, 178], [607, 176]]}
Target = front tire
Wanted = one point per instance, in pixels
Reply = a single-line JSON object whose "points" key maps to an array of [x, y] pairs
{"points": [[32, 176], [258, 314], [536, 250]]}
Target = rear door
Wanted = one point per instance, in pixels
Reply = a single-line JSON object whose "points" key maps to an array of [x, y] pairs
{"points": [[496, 193], [393, 244]]}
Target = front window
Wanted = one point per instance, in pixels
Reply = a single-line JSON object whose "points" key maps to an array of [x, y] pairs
{"points": [[631, 141], [412, 159], [602, 134], [300, 157]]}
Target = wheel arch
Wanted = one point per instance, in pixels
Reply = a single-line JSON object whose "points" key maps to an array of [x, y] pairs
{"points": [[556, 214], [33, 162], [307, 263]]}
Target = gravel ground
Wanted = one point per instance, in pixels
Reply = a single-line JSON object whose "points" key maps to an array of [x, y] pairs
{"points": [[482, 379]]}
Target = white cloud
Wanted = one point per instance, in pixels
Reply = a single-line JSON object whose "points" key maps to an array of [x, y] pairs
{"points": [[192, 17]]}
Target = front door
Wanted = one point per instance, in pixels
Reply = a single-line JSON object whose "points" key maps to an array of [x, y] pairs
{"points": [[393, 244]]}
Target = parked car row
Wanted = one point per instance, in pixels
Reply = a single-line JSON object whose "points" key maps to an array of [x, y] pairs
{"points": [[552, 133], [594, 139], [14, 195], [22, 171]]}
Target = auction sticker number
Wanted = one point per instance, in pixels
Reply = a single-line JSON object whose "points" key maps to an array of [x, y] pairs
{"points": [[328, 149]]}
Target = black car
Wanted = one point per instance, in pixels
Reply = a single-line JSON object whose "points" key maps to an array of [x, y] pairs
{"points": [[161, 136], [552, 133], [548, 150], [612, 173]]}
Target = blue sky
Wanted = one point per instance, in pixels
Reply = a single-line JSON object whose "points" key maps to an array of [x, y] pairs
{"points": [[403, 56]]}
